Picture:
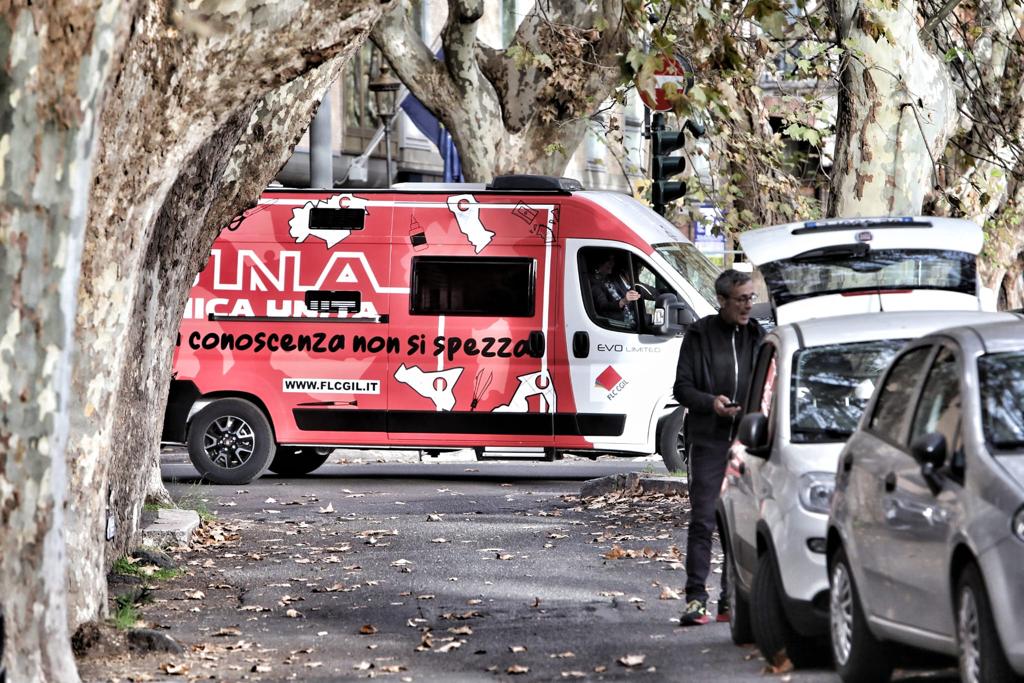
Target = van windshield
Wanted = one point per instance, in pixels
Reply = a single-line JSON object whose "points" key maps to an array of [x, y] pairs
{"points": [[693, 266], [831, 386], [1002, 385], [856, 267]]}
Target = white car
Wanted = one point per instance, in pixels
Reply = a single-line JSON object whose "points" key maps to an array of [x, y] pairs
{"points": [[847, 293], [810, 384]]}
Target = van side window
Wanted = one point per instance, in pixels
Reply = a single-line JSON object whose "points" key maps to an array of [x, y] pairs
{"points": [[605, 277], [478, 285], [893, 408]]}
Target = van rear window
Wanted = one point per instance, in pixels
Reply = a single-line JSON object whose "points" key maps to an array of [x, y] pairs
{"points": [[479, 285]]}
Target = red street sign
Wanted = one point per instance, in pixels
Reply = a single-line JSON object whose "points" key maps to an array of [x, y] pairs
{"points": [[671, 70]]}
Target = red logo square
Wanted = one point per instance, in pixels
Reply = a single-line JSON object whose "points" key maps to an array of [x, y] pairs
{"points": [[609, 378]]}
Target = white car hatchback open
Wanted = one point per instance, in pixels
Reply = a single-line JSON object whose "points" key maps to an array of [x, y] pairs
{"points": [[864, 265], [847, 294]]}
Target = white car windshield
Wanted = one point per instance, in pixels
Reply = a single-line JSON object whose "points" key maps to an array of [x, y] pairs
{"points": [[857, 268], [693, 266], [1002, 385], [832, 384]]}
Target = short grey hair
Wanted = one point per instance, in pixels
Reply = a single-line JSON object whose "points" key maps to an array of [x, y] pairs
{"points": [[729, 280]]}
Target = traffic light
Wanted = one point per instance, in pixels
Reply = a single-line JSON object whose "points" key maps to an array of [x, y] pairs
{"points": [[663, 166]]}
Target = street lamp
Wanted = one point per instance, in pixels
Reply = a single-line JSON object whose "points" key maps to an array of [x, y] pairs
{"points": [[385, 91]]}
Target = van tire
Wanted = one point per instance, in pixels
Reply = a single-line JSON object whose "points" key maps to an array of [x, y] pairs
{"points": [[672, 441], [867, 659], [295, 461], [771, 629], [230, 442], [983, 653]]}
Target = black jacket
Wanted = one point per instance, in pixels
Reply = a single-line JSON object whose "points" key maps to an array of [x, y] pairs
{"points": [[708, 368]]}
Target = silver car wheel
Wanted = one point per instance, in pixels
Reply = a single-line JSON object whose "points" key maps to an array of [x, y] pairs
{"points": [[229, 442], [841, 613], [968, 633]]}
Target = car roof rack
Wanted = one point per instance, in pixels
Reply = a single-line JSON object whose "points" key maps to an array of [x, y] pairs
{"points": [[534, 183]]}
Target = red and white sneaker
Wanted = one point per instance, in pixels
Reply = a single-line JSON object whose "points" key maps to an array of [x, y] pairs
{"points": [[696, 614]]}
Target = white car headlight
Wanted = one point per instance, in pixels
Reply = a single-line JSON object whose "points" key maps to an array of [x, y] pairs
{"points": [[816, 489], [1018, 524]]}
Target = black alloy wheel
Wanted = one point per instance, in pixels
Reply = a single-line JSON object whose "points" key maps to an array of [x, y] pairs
{"points": [[230, 442]]}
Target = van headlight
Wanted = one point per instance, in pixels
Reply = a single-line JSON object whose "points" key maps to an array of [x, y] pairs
{"points": [[816, 489], [1018, 524]]}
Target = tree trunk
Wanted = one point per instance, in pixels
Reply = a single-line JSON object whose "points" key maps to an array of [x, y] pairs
{"points": [[56, 63], [191, 144], [897, 109]]}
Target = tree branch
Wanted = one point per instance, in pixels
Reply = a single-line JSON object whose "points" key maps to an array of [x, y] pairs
{"points": [[399, 42], [937, 18], [460, 41]]}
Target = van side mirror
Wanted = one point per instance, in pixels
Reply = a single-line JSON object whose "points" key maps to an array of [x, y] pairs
{"points": [[670, 317], [753, 434]]}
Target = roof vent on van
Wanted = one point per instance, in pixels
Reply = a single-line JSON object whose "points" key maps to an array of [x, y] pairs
{"points": [[535, 183]]}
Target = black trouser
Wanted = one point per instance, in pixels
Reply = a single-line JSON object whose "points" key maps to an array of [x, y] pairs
{"points": [[707, 469]]}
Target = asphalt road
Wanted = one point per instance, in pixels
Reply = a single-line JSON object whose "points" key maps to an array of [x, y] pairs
{"points": [[453, 570]]}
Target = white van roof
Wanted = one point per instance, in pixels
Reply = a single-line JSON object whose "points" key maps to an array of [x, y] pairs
{"points": [[889, 232]]}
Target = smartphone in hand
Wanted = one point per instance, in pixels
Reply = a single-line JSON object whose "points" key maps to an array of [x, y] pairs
{"points": [[732, 404]]}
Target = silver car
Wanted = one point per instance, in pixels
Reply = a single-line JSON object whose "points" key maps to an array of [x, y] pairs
{"points": [[926, 531], [810, 384]]}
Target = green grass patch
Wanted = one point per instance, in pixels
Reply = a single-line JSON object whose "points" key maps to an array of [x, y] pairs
{"points": [[126, 607], [193, 500], [126, 567], [154, 507], [126, 614]]}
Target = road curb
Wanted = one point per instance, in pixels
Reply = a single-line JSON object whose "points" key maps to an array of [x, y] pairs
{"points": [[634, 483], [172, 526]]}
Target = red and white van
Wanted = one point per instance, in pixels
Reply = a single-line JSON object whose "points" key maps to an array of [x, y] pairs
{"points": [[434, 318]]}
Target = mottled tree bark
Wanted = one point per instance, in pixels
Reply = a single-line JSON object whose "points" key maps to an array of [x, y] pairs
{"points": [[193, 87], [120, 205], [532, 99], [56, 61], [897, 110]]}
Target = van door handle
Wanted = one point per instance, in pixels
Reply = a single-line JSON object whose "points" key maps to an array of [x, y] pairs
{"points": [[581, 344], [890, 482], [536, 343], [847, 462]]}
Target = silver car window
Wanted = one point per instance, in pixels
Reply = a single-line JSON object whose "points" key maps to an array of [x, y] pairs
{"points": [[1002, 385], [831, 386], [938, 409], [892, 409]]}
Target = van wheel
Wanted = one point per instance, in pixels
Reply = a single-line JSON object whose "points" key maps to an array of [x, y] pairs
{"points": [[739, 607], [981, 654], [230, 442], [772, 630], [857, 654], [294, 461], [672, 440]]}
